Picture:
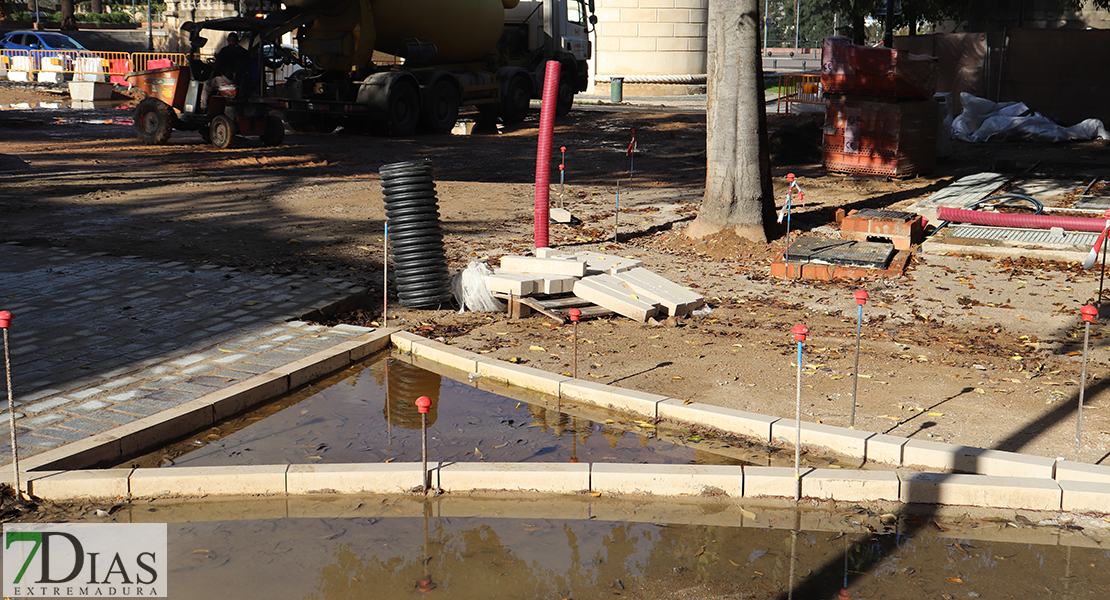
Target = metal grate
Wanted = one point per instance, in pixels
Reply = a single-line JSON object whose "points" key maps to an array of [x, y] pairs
{"points": [[885, 215], [1083, 239], [874, 255]]}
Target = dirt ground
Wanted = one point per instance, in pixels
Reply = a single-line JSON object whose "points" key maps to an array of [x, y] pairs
{"points": [[970, 351]]}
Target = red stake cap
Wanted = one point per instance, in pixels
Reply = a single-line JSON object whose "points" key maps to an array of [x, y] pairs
{"points": [[790, 177], [861, 297], [5, 319], [574, 314], [1089, 313], [800, 332], [423, 403], [561, 166], [562, 148], [1107, 213]]}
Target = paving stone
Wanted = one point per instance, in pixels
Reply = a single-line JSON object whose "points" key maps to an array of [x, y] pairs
{"points": [[197, 369], [118, 383], [274, 359], [68, 435], [174, 396], [161, 382], [83, 424], [40, 421], [112, 416], [132, 408], [87, 407], [194, 388], [33, 441], [38, 407], [125, 396]]}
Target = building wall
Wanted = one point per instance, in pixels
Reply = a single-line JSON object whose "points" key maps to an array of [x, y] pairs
{"points": [[651, 37]]}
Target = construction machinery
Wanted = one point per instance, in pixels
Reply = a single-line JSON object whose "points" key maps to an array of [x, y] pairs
{"points": [[433, 57], [173, 92]]}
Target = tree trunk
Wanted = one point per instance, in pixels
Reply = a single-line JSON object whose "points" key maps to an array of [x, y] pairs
{"points": [[97, 6], [738, 194], [69, 23]]}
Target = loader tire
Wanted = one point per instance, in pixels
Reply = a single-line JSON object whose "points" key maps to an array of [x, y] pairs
{"points": [[223, 131], [154, 121]]}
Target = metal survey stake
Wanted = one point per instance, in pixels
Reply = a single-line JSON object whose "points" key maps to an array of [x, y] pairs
{"points": [[1088, 313], [5, 322], [785, 212], [799, 332], [632, 156], [1102, 273], [422, 405], [562, 172], [616, 213], [385, 276], [861, 299], [575, 314]]}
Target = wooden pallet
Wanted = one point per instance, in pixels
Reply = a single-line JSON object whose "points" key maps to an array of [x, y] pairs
{"points": [[555, 307]]}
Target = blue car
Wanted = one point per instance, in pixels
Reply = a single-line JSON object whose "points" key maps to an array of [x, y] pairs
{"points": [[38, 40]]}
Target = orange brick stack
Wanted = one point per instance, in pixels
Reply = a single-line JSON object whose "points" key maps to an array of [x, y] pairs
{"points": [[880, 117]]}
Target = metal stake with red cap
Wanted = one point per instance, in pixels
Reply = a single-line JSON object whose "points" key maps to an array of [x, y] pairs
{"points": [[5, 323], [1089, 313], [575, 314], [799, 332], [562, 171], [423, 403], [861, 299]]}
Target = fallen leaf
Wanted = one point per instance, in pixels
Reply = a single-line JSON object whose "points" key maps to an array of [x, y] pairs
{"points": [[699, 552], [733, 563], [537, 349], [955, 580], [935, 414], [979, 391], [747, 514]]}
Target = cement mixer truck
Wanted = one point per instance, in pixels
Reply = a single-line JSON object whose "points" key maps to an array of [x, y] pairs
{"points": [[490, 54]]}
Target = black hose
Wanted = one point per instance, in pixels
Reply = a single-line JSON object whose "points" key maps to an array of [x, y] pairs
{"points": [[415, 236]]}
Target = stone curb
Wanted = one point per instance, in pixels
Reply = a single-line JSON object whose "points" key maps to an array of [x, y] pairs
{"points": [[997, 479], [623, 480]]}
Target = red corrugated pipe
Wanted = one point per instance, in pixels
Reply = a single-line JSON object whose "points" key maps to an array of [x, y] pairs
{"points": [[543, 151], [978, 217]]}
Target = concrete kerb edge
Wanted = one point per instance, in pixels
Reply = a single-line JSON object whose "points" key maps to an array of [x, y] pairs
{"points": [[877, 447], [109, 444]]}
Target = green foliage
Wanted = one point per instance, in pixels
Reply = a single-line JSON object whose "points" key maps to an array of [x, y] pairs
{"points": [[116, 18]]}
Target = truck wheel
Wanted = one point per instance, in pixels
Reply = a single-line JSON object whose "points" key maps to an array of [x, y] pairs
{"points": [[514, 106], [403, 112], [442, 110], [565, 100], [274, 133], [154, 121], [223, 132]]}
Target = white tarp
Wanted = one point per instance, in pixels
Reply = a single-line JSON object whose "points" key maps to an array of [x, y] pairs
{"points": [[983, 120]]}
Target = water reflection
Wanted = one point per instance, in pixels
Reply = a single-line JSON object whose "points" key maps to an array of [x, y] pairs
{"points": [[370, 416], [392, 547]]}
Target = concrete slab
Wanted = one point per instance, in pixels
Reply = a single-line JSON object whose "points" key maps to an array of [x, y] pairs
{"points": [[403, 340], [980, 490], [1085, 496], [376, 478], [841, 440], [555, 478], [668, 480], [610, 397], [72, 485], [775, 482], [521, 376], [209, 481], [885, 449], [850, 486], [245, 394], [543, 266], [514, 283], [463, 360], [964, 459], [1072, 471], [734, 421], [616, 298], [315, 366]]}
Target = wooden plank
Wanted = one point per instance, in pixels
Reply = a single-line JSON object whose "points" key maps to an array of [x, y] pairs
{"points": [[555, 308], [543, 266]]}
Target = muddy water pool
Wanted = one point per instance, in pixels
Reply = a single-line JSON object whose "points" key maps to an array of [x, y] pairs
{"points": [[497, 547], [366, 414]]}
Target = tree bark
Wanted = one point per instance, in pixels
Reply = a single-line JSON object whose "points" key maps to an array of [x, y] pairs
{"points": [[69, 22], [97, 6], [738, 194]]}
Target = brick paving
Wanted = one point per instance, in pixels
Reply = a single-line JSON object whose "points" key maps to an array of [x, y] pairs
{"points": [[99, 341]]}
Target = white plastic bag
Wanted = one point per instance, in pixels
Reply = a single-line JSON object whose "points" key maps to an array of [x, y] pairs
{"points": [[472, 290], [983, 120]]}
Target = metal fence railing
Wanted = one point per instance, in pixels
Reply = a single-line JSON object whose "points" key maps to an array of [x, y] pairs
{"points": [[798, 88], [59, 66]]}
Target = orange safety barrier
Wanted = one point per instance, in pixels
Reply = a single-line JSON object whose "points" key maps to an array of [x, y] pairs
{"points": [[800, 88], [59, 66], [139, 60]]}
